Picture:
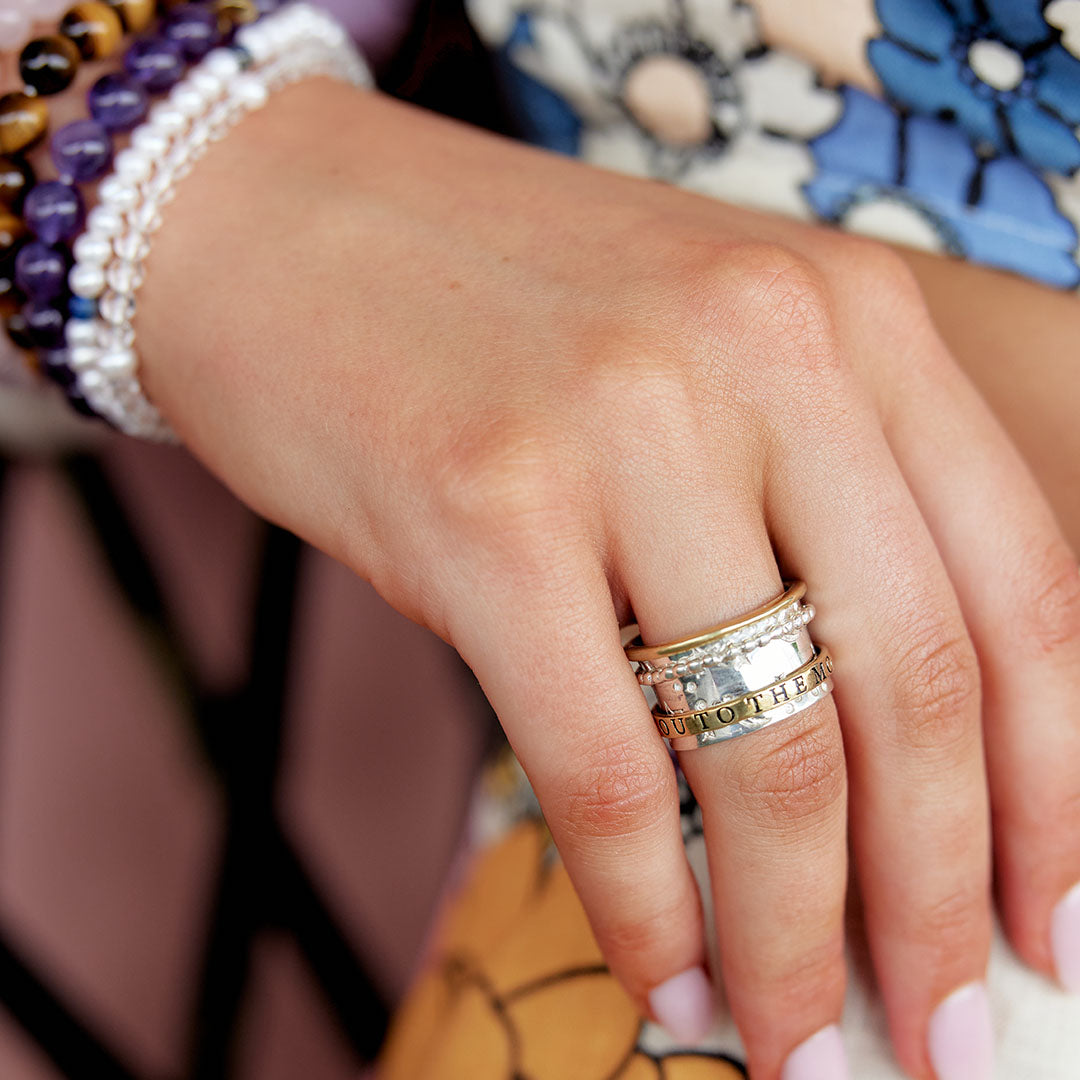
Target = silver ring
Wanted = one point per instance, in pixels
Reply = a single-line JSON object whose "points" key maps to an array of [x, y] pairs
{"points": [[747, 727]]}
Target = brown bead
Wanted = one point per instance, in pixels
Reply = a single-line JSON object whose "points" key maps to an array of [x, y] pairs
{"points": [[136, 15], [234, 13], [11, 299], [16, 179], [94, 27], [48, 64], [18, 331], [13, 232], [23, 121]]}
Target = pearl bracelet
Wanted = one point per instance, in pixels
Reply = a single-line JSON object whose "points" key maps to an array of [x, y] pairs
{"points": [[294, 43]]}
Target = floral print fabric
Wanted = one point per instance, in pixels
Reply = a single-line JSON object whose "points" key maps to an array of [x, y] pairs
{"points": [[969, 148], [515, 987]]}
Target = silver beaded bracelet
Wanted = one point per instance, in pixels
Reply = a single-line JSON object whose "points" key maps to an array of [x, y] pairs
{"points": [[293, 43]]}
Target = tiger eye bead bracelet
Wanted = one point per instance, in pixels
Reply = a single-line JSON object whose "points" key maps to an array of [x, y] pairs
{"points": [[82, 151], [94, 27]]}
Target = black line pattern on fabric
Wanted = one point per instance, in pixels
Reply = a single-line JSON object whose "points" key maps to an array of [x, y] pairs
{"points": [[261, 881]]}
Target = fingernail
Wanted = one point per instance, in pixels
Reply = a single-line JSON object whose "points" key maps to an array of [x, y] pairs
{"points": [[961, 1037], [821, 1057], [684, 1005], [1065, 939]]}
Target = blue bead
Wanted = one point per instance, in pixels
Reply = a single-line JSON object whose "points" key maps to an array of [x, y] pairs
{"points": [[54, 211], [118, 102], [41, 271], [155, 63], [194, 29], [81, 151], [245, 58], [82, 307]]}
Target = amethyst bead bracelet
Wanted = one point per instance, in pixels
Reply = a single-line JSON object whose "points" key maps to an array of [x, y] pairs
{"points": [[82, 151], [155, 63], [118, 102]]}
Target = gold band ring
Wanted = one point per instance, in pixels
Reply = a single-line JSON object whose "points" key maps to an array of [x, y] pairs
{"points": [[636, 650]]}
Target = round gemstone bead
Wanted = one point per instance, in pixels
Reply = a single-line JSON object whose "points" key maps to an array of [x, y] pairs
{"points": [[44, 325], [13, 232], [23, 121], [54, 211], [54, 364], [83, 307], [18, 330], [10, 297], [16, 179], [156, 63], [94, 28], [49, 64], [82, 150], [234, 13], [136, 15], [194, 29], [118, 102], [41, 271]]}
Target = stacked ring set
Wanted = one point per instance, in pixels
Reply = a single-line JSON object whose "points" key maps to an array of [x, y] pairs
{"points": [[735, 678], [68, 278]]}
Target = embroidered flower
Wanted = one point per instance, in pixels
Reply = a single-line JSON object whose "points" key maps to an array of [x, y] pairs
{"points": [[918, 180], [679, 90], [995, 66]]}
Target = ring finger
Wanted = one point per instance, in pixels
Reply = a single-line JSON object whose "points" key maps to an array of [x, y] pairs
{"points": [[773, 805]]}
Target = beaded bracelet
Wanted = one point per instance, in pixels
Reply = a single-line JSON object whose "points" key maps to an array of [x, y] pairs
{"points": [[294, 43], [36, 219]]}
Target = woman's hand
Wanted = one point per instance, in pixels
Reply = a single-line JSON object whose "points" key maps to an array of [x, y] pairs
{"points": [[531, 400]]}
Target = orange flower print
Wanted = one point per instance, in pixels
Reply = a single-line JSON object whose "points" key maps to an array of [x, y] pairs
{"points": [[516, 988]]}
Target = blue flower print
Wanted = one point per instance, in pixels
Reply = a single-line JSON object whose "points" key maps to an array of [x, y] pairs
{"points": [[995, 66], [997, 210], [543, 117]]}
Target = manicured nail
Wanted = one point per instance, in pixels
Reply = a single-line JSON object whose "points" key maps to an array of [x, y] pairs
{"points": [[684, 1005], [821, 1057], [1065, 940], [961, 1037]]}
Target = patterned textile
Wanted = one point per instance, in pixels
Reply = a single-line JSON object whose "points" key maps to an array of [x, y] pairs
{"points": [[515, 988], [969, 148]]}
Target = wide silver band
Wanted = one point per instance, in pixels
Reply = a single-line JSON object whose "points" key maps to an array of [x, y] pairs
{"points": [[746, 727], [747, 672]]}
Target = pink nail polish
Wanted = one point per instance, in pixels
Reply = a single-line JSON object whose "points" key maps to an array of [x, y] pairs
{"points": [[684, 1005], [1065, 939], [821, 1057], [961, 1036]]}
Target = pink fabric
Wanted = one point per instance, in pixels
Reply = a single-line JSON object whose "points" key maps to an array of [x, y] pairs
{"points": [[377, 25]]}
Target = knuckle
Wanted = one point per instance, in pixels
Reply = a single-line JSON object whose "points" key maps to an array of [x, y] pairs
{"points": [[641, 936], [500, 475], [950, 924], [939, 689], [877, 271], [762, 302], [1048, 613], [802, 777], [795, 971], [628, 382], [619, 792]]}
